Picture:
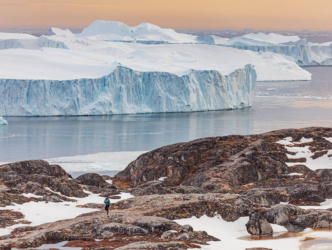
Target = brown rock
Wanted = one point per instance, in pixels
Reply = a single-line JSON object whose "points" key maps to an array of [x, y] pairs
{"points": [[92, 179]]}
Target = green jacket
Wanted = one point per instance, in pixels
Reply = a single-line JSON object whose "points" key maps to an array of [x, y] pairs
{"points": [[107, 202]]}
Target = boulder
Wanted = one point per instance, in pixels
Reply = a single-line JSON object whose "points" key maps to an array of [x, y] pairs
{"points": [[107, 230], [257, 225], [92, 179]]}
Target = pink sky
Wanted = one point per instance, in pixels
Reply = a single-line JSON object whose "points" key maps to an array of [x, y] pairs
{"points": [[178, 14]]}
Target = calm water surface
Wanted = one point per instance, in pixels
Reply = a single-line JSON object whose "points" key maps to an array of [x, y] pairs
{"points": [[276, 105]]}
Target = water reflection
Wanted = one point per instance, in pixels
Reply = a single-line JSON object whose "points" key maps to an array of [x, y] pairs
{"points": [[33, 138]]}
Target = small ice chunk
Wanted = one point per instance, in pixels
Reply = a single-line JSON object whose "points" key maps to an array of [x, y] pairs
{"points": [[3, 121], [109, 181], [162, 178]]}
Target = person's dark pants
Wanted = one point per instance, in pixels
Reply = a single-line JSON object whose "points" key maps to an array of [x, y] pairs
{"points": [[107, 207]]}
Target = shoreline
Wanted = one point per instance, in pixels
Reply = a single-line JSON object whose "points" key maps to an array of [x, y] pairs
{"points": [[218, 188]]}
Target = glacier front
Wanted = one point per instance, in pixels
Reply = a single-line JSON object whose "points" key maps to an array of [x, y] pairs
{"points": [[126, 91]]}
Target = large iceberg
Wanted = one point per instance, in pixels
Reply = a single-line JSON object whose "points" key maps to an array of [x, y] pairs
{"points": [[302, 52], [292, 47], [126, 91], [111, 68]]}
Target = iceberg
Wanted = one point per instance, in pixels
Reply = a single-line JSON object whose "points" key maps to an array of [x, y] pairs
{"points": [[15, 40], [111, 68], [126, 91], [3, 121], [100, 32], [60, 32], [95, 59], [143, 33], [299, 50]]}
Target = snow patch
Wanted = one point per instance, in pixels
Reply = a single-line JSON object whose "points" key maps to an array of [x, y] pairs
{"points": [[32, 195], [231, 233], [59, 246], [43, 212], [328, 139], [327, 204], [286, 141], [322, 162]]}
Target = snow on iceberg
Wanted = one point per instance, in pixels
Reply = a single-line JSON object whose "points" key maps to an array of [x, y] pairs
{"points": [[143, 33], [299, 50], [100, 58], [16, 40], [273, 38], [60, 32], [292, 47], [3, 121], [126, 91]]}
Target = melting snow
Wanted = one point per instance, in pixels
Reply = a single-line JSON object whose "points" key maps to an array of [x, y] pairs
{"points": [[304, 152], [230, 232], [43, 212]]}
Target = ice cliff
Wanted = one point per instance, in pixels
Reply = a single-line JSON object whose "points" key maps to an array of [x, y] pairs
{"points": [[126, 91]]}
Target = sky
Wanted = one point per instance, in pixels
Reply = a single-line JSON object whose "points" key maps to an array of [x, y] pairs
{"points": [[178, 14]]}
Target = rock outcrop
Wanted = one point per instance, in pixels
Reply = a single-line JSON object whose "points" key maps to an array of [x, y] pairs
{"points": [[256, 176], [46, 182], [293, 218], [255, 168], [219, 163]]}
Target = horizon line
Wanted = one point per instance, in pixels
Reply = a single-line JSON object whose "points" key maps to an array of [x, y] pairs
{"points": [[176, 29]]}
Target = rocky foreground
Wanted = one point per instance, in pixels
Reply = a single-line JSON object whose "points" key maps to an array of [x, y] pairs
{"points": [[259, 176]]}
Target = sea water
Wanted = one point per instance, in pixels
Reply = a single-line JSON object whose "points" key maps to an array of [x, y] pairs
{"points": [[276, 105]]}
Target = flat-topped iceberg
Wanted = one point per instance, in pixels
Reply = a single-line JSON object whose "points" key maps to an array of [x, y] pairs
{"points": [[299, 50], [95, 59], [111, 68], [126, 91], [292, 47], [263, 39], [115, 40]]}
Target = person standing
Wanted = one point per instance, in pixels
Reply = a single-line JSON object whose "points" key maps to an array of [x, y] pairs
{"points": [[107, 204]]}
